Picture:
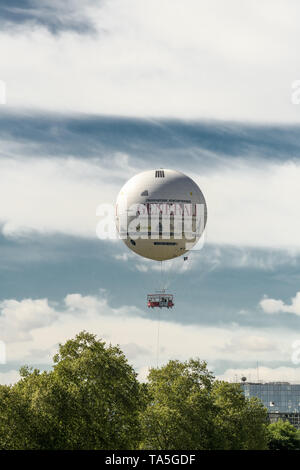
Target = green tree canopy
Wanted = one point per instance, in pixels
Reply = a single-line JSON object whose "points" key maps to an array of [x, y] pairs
{"points": [[282, 435], [180, 411], [90, 400], [241, 422], [188, 409]]}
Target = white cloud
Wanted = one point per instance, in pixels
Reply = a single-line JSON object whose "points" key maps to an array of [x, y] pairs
{"points": [[31, 330], [162, 58], [51, 195], [62, 195], [251, 343], [143, 268], [248, 205], [253, 206], [122, 257], [18, 318], [262, 374], [10, 377], [272, 305], [240, 257], [76, 303], [276, 306]]}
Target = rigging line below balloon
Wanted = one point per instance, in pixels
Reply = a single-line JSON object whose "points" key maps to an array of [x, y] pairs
{"points": [[157, 341], [167, 273]]}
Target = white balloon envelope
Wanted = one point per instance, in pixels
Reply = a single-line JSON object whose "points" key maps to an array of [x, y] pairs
{"points": [[160, 214]]}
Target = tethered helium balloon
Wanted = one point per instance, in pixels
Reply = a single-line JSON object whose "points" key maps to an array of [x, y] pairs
{"points": [[160, 214]]}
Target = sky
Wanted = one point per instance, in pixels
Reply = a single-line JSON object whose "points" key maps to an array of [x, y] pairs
{"points": [[97, 91]]}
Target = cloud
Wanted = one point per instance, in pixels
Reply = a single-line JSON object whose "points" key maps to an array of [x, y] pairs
{"points": [[251, 343], [61, 195], [32, 329], [143, 268], [53, 15], [158, 58], [125, 256], [272, 306], [246, 212], [18, 318], [122, 257], [184, 143], [133, 350], [262, 374], [166, 272], [228, 256], [9, 377]]}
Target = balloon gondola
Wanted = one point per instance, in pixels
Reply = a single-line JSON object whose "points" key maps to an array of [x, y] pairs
{"points": [[160, 299]]}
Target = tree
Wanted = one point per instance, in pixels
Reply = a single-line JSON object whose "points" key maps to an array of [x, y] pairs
{"points": [[188, 409], [241, 422], [14, 418], [90, 400], [180, 410], [282, 435]]}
